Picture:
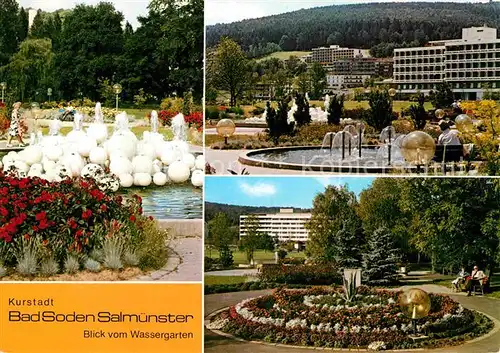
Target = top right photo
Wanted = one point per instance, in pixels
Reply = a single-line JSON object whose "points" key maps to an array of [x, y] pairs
{"points": [[329, 87]]}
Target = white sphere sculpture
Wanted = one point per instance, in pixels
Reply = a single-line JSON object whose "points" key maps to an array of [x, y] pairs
{"points": [[142, 179], [200, 162], [168, 156], [48, 165], [120, 165], [98, 155], [126, 180], [123, 143], [197, 178], [142, 164], [53, 152], [189, 160], [86, 145], [146, 150], [32, 155], [74, 164], [91, 170], [108, 183], [179, 172], [160, 179], [8, 159], [21, 166]]}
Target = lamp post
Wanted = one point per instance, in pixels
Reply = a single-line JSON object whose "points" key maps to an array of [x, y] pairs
{"points": [[416, 304], [117, 88], [3, 85], [418, 148], [49, 93], [226, 129]]}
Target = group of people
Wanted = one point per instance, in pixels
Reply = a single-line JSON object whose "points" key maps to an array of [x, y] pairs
{"points": [[476, 278]]}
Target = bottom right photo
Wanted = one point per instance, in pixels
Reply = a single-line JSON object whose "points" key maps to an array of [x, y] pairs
{"points": [[352, 263]]}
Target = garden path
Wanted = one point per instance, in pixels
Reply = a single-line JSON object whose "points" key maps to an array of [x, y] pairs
{"points": [[238, 131], [217, 344], [184, 262]]}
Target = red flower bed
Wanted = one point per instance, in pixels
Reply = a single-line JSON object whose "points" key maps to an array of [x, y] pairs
{"points": [[194, 119], [304, 317], [63, 215]]}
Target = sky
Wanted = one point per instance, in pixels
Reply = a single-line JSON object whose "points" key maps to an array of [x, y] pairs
{"points": [[227, 11], [276, 191], [131, 9]]}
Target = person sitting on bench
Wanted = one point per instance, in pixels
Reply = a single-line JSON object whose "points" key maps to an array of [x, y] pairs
{"points": [[448, 137], [476, 278], [460, 279]]}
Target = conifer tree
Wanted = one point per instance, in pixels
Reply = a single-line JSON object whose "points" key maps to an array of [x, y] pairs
{"points": [[381, 259]]}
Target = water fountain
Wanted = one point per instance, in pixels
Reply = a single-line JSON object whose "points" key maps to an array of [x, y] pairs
{"points": [[132, 162], [343, 152]]}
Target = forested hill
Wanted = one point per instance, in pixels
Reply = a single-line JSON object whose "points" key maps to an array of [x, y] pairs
{"points": [[233, 212], [381, 26]]}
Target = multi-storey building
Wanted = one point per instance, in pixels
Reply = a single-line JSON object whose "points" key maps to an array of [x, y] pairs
{"points": [[286, 225], [333, 53], [468, 65], [349, 73]]}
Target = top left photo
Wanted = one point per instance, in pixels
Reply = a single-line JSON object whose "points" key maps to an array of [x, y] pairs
{"points": [[101, 148]]}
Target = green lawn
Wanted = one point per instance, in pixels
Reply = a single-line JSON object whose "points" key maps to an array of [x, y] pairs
{"points": [[211, 280], [260, 256], [285, 55], [349, 105]]}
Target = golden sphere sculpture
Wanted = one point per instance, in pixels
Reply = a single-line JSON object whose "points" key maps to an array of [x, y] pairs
{"points": [[415, 303], [392, 92], [464, 123], [418, 148], [226, 128], [439, 113]]}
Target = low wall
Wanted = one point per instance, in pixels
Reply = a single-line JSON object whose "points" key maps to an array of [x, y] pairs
{"points": [[183, 227]]}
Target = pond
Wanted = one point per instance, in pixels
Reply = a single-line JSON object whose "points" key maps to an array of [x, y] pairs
{"points": [[171, 201]]}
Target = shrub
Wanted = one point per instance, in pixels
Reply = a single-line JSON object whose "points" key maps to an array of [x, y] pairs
{"points": [[165, 117], [282, 254], [130, 258], [71, 264], [49, 267], [27, 255], [236, 110], [211, 113], [335, 109], [226, 257], [209, 263], [356, 114], [302, 115], [172, 104], [403, 126], [195, 119], [380, 114], [92, 265], [257, 111], [151, 244], [277, 121], [300, 274], [3, 271], [113, 248]]}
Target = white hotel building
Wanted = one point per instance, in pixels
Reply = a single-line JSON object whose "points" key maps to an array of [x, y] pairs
{"points": [[466, 64], [285, 225]]}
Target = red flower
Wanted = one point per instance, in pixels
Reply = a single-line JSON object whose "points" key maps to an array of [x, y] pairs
{"points": [[27, 236], [132, 218], [79, 233], [41, 216], [86, 214], [3, 212], [104, 208]]}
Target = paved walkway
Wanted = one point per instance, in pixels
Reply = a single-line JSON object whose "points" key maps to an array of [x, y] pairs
{"points": [[222, 160], [219, 344], [185, 262], [238, 131], [250, 272]]}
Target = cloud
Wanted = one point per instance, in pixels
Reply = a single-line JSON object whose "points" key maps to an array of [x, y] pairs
{"points": [[326, 181], [258, 189]]}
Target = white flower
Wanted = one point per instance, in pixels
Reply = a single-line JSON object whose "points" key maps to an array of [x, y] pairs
{"points": [[377, 346], [217, 324]]}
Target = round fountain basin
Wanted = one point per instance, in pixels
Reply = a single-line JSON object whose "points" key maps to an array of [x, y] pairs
{"points": [[170, 202], [313, 158]]}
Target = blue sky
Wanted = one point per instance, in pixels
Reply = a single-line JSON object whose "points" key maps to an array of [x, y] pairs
{"points": [[275, 191], [227, 11]]}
